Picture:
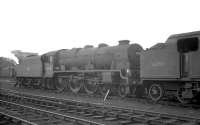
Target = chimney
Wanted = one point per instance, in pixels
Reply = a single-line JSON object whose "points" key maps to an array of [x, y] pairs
{"points": [[124, 42], [89, 46], [102, 45]]}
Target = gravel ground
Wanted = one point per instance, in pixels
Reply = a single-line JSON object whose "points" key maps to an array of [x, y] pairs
{"points": [[125, 103]]}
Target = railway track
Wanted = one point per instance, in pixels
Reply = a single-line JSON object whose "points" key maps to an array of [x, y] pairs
{"points": [[21, 114], [7, 119], [144, 100], [98, 113]]}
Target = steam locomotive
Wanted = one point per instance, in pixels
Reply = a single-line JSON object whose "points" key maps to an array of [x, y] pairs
{"points": [[7, 68], [166, 69]]}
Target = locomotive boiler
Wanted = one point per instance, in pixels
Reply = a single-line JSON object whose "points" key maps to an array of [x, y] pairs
{"points": [[100, 68]]}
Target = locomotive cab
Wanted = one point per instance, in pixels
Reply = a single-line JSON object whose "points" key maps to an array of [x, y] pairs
{"points": [[185, 46], [48, 64]]}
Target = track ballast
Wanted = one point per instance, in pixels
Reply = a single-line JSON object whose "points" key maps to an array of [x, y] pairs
{"points": [[98, 113]]}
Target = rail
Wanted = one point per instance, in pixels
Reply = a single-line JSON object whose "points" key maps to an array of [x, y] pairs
{"points": [[107, 115]]}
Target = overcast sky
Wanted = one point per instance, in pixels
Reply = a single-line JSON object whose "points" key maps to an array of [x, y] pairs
{"points": [[45, 25]]}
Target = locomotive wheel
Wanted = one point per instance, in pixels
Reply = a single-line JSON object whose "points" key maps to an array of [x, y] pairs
{"points": [[181, 92], [18, 83], [48, 84], [43, 84], [60, 84], [31, 83], [103, 89], [90, 87], [139, 91], [156, 92], [37, 83], [27, 83], [21, 84], [75, 85], [123, 90]]}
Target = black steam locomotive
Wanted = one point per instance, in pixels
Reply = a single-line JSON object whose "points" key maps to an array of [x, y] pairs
{"points": [[7, 68], [170, 68]]}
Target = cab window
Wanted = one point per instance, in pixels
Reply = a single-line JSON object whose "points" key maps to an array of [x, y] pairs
{"points": [[188, 44], [45, 58]]}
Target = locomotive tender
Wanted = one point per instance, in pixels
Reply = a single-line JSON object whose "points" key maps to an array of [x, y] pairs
{"points": [[172, 68], [166, 69]]}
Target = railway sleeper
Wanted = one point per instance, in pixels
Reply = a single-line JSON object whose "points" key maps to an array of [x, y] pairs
{"points": [[92, 111]]}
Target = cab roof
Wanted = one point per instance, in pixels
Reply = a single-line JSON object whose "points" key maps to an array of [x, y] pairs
{"points": [[50, 53], [188, 34]]}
